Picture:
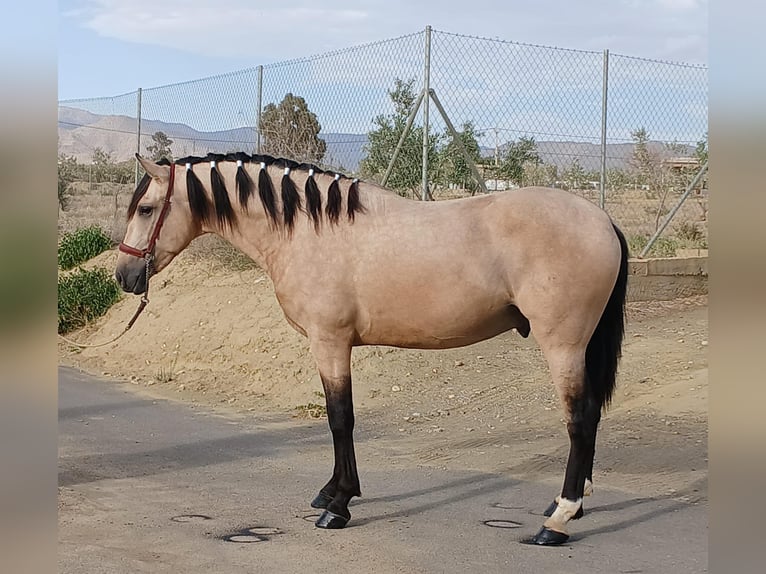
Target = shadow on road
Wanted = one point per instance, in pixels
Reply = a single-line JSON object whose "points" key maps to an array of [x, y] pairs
{"points": [[118, 465]]}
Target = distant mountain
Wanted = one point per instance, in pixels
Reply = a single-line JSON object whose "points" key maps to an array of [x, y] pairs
{"points": [[344, 151], [81, 132]]}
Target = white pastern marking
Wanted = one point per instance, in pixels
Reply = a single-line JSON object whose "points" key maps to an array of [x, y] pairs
{"points": [[564, 512], [588, 490]]}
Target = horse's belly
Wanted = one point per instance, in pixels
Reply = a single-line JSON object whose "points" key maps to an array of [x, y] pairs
{"points": [[425, 331]]}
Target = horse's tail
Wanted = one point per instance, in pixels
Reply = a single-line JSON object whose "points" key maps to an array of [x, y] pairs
{"points": [[605, 346]]}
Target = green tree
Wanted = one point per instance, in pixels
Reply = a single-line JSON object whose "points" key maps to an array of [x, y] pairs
{"points": [[653, 172], [291, 130], [640, 139], [575, 175], [454, 165], [617, 179], [68, 172], [161, 147], [124, 171], [645, 164], [101, 165], [516, 156], [540, 174], [406, 175]]}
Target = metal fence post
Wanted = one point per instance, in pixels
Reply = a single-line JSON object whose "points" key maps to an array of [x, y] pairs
{"points": [[138, 133], [258, 114], [426, 90], [604, 100]]}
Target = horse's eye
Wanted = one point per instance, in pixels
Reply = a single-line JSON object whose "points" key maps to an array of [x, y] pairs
{"points": [[145, 210]]}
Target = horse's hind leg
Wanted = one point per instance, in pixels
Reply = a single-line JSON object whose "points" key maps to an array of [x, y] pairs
{"points": [[587, 472], [588, 467], [335, 371], [582, 412]]}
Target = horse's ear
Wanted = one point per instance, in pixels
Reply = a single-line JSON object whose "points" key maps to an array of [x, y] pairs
{"points": [[154, 170]]}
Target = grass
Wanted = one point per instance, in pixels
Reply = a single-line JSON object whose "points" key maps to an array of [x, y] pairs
{"points": [[666, 246], [663, 247], [80, 245], [84, 295]]}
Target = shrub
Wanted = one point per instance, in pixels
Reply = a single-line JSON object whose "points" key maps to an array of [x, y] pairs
{"points": [[84, 295], [690, 232], [663, 247], [81, 245]]}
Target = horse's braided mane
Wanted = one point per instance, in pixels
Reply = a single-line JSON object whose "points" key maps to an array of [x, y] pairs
{"points": [[287, 205]]}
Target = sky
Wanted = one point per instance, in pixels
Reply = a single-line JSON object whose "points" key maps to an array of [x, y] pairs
{"points": [[111, 47]]}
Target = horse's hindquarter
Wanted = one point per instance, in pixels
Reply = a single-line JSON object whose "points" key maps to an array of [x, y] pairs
{"points": [[565, 272]]}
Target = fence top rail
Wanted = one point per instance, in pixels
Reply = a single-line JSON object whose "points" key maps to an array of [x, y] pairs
{"points": [[655, 61], [515, 43], [575, 50], [93, 99], [339, 51]]}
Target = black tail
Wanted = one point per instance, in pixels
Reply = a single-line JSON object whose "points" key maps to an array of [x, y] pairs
{"points": [[605, 346]]}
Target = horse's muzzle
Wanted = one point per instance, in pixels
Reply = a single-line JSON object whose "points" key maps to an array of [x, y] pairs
{"points": [[132, 279]]}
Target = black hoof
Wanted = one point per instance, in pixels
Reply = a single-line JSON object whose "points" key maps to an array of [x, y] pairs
{"points": [[553, 506], [331, 521], [547, 537], [321, 500]]}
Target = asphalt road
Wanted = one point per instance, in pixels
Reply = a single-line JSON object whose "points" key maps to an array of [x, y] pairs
{"points": [[151, 485]]}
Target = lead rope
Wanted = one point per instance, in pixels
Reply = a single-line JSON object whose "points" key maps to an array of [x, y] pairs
{"points": [[141, 306]]}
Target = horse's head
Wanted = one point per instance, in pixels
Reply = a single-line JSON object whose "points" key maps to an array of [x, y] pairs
{"points": [[160, 226]]}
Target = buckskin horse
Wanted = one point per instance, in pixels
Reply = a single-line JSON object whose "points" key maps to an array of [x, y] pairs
{"points": [[354, 264]]}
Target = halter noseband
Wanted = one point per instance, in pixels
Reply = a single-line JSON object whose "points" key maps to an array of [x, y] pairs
{"points": [[148, 253]]}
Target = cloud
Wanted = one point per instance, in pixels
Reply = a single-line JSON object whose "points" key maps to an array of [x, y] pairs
{"points": [[268, 32], [226, 28], [682, 5]]}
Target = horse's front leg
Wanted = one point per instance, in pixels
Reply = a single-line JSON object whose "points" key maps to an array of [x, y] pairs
{"points": [[334, 362]]}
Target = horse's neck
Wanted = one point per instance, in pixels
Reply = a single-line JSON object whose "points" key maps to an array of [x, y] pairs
{"points": [[266, 243]]}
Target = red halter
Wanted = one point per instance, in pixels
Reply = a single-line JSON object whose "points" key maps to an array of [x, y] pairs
{"points": [[149, 251]]}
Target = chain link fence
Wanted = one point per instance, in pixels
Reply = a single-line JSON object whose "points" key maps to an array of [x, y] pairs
{"points": [[628, 133]]}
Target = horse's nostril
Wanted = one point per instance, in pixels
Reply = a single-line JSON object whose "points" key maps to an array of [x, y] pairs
{"points": [[118, 277]]}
